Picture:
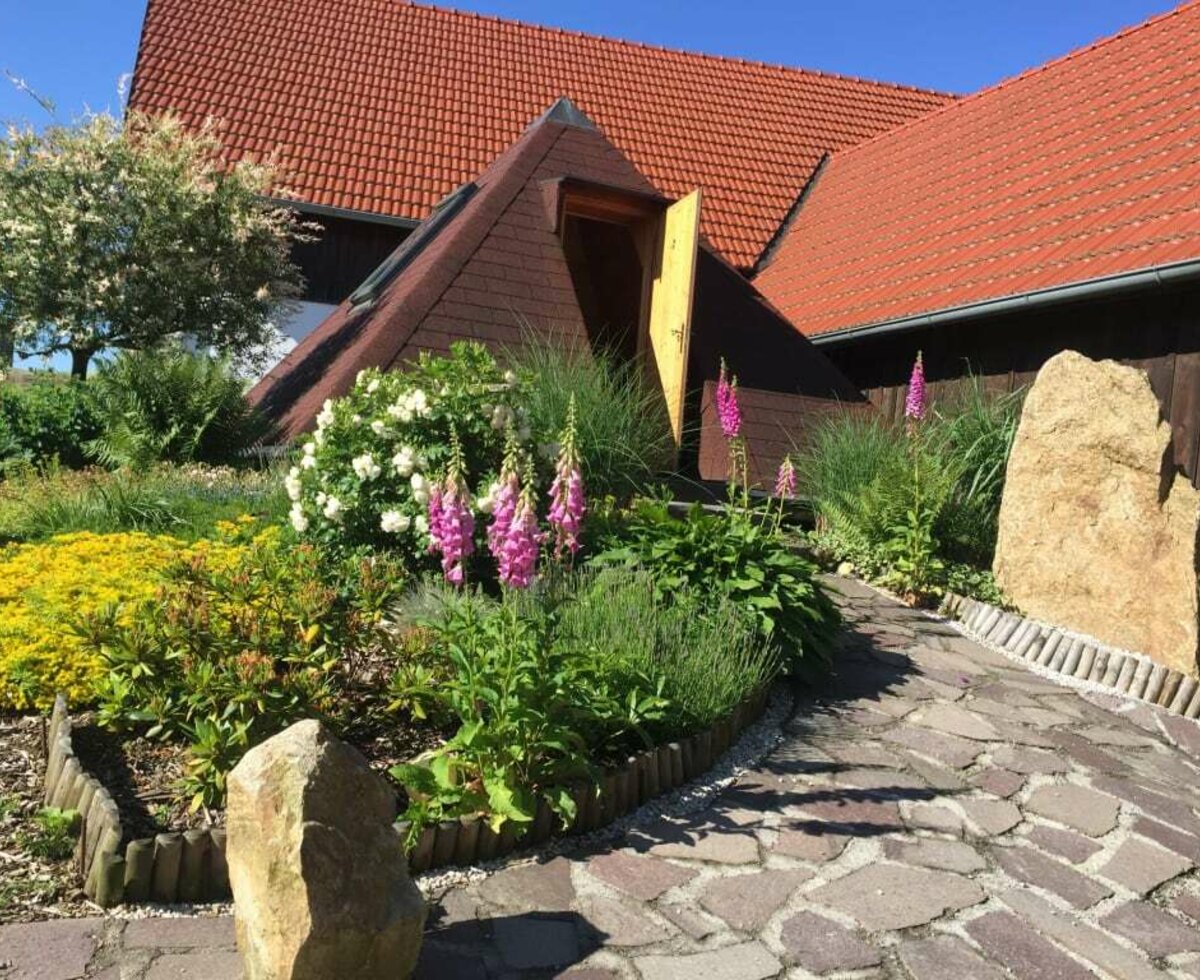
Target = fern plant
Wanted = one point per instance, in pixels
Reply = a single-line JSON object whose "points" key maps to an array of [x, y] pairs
{"points": [[172, 405]]}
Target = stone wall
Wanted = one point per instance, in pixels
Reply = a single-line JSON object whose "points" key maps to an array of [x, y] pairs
{"points": [[1097, 529]]}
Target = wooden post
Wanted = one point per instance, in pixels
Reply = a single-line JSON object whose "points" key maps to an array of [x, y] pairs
{"points": [[168, 854], [139, 869], [466, 847], [193, 865], [218, 867]]}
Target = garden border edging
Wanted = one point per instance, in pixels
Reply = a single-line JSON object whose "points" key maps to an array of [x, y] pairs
{"points": [[1077, 656], [191, 867]]}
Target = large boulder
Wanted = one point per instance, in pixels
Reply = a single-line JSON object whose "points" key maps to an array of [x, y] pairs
{"points": [[320, 883], [1097, 529]]}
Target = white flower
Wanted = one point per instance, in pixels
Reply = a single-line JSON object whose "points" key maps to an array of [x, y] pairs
{"points": [[356, 419], [299, 521], [401, 411], [310, 448], [365, 467], [325, 416], [358, 378], [421, 523], [501, 415], [393, 522], [373, 386], [291, 482], [420, 488], [418, 402], [333, 509], [510, 378], [308, 462], [549, 450], [379, 427], [321, 498], [485, 505], [319, 437], [524, 433], [404, 461]]}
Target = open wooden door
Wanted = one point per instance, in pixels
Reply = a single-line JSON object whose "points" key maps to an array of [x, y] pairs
{"points": [[670, 321]]}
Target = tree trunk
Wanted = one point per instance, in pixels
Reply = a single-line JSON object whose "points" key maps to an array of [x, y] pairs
{"points": [[79, 362], [6, 349]]}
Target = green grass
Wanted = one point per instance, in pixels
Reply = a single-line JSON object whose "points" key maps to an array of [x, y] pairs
{"points": [[858, 471], [706, 649], [624, 437], [186, 502]]}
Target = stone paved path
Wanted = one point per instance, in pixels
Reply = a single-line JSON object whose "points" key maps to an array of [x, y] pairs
{"points": [[936, 812]]}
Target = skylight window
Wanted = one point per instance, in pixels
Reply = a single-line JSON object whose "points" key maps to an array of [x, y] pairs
{"points": [[441, 215]]}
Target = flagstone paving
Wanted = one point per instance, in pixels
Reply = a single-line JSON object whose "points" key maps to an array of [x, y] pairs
{"points": [[935, 812]]}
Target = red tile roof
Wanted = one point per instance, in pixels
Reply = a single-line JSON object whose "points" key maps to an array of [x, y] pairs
{"points": [[383, 106], [1086, 167]]}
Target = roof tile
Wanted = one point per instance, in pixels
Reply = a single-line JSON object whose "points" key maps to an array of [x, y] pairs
{"points": [[384, 106], [1088, 166]]}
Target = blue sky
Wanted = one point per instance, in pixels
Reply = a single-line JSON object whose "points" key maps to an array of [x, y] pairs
{"points": [[74, 51]]}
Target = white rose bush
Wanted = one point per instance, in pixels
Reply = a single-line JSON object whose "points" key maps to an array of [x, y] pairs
{"points": [[415, 461]]}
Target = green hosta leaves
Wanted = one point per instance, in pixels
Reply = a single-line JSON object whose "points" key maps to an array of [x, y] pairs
{"points": [[738, 553]]}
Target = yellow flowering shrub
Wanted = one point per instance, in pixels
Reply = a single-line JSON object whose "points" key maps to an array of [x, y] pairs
{"points": [[48, 587]]}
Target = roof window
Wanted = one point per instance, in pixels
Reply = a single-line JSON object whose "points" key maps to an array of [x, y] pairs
{"points": [[441, 215]]}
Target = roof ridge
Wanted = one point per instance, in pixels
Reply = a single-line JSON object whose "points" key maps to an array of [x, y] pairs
{"points": [[1020, 76], [647, 46]]}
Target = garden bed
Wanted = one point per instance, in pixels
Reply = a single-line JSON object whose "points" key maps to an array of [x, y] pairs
{"points": [[127, 856]]}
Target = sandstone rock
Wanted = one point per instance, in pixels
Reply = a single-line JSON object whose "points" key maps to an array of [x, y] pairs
{"points": [[319, 880], [1097, 531]]}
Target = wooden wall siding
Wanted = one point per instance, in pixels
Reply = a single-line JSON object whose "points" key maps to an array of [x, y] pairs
{"points": [[343, 256], [1158, 332], [773, 423]]}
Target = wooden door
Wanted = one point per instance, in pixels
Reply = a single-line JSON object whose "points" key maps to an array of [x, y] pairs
{"points": [[671, 304]]}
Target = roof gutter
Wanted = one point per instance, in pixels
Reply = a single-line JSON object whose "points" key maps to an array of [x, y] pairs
{"points": [[1157, 276], [328, 211]]}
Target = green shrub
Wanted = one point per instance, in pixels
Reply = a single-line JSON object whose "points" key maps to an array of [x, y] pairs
{"points": [[906, 504], [739, 554], [705, 649], [237, 646], [172, 405], [624, 438], [43, 419], [528, 710], [378, 450]]}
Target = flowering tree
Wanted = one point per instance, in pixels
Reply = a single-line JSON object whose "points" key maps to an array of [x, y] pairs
{"points": [[119, 235]]}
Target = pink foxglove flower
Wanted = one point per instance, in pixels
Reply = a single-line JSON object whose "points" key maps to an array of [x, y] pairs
{"points": [[914, 404], [435, 519], [451, 523], [457, 532], [567, 502], [505, 494], [785, 479], [519, 551], [728, 411]]}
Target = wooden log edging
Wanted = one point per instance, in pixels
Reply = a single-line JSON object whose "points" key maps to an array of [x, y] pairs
{"points": [[188, 867], [191, 867], [1080, 657], [654, 772]]}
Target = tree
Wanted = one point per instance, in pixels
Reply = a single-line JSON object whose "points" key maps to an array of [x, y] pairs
{"points": [[123, 235]]}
